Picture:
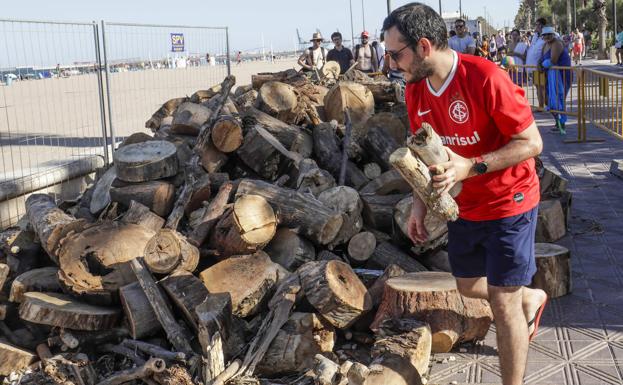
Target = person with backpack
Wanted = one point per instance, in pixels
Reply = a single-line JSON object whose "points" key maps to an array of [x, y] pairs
{"points": [[315, 56], [365, 55]]}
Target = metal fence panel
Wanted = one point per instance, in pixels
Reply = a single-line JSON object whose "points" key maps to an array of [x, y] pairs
{"points": [[150, 64], [51, 126]]}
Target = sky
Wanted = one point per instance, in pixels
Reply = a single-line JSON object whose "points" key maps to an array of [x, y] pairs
{"points": [[252, 23]]}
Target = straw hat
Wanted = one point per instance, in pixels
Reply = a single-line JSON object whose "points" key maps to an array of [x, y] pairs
{"points": [[548, 30], [317, 36]]}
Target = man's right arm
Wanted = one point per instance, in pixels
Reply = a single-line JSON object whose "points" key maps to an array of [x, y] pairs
{"points": [[302, 62]]}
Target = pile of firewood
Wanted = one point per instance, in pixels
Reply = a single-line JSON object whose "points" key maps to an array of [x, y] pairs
{"points": [[257, 237]]}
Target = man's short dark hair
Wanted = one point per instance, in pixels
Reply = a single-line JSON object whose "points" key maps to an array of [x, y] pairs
{"points": [[415, 21], [459, 21], [336, 34], [516, 30], [542, 21]]}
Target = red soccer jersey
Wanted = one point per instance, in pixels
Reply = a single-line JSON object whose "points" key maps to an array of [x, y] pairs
{"points": [[475, 112]]}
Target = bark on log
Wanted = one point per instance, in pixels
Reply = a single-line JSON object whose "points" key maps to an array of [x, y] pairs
{"points": [[389, 122], [346, 201], [352, 96], [335, 291], [361, 247], [152, 366], [432, 297], [436, 227], [93, 263], [437, 261], [384, 91], [212, 160], [21, 249], [378, 210], [258, 273], [388, 183], [212, 315], [387, 254], [50, 223], [227, 134], [379, 145], [246, 100], [189, 118], [377, 288], [416, 173], [213, 212], [140, 317], [13, 358], [186, 292], [325, 370], [357, 374], [289, 249], [201, 96], [289, 76], [142, 162], [553, 269], [215, 104], [158, 196], [4, 273], [141, 215], [101, 194], [260, 155], [44, 279], [279, 100], [166, 110], [328, 154], [372, 170], [244, 228], [296, 210], [550, 225], [56, 309], [169, 250]]}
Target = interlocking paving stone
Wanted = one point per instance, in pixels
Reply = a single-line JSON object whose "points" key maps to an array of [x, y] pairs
{"points": [[580, 341]]}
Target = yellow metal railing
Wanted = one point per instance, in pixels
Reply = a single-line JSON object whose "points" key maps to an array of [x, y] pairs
{"points": [[603, 102]]}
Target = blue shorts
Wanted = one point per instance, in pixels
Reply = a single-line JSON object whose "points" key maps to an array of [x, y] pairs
{"points": [[501, 250]]}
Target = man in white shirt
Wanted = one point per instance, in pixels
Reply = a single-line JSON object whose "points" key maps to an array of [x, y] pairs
{"points": [[315, 56], [533, 57], [462, 42]]}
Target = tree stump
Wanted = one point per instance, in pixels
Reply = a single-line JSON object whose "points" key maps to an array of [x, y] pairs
{"points": [[361, 247], [258, 273], [279, 100], [344, 200], [60, 310], [227, 134], [387, 254], [189, 119], [289, 249], [186, 292], [141, 215], [335, 291], [436, 227], [432, 297], [553, 274], [158, 196], [13, 358], [245, 228], [550, 225], [169, 250], [139, 315], [44, 279], [142, 162]]}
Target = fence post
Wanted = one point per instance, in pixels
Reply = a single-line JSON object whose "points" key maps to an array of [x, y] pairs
{"points": [[113, 138], [100, 86], [228, 54]]}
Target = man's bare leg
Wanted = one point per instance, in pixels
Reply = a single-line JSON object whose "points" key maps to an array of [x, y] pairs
{"points": [[512, 332]]}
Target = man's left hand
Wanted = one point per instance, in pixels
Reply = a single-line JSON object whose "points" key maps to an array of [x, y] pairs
{"points": [[455, 170]]}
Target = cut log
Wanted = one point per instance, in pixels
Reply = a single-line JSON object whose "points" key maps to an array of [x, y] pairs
{"points": [[212, 160], [186, 292], [344, 200], [245, 228], [296, 344], [13, 358], [335, 291], [328, 154], [44, 279], [437, 261], [50, 223], [260, 155], [201, 96], [92, 263], [389, 122], [378, 210], [553, 269], [361, 247], [279, 100], [137, 137], [402, 353], [388, 183], [60, 310], [166, 110], [432, 297], [189, 118], [384, 91], [352, 96], [169, 250], [372, 170], [216, 105], [158, 196], [289, 249], [212, 315], [416, 173], [143, 372], [208, 219], [552, 184], [140, 317], [290, 76], [21, 249], [4, 274], [227, 134], [101, 193], [142, 162], [141, 215], [357, 374], [247, 99], [379, 145], [258, 273], [387, 254], [550, 225], [436, 227], [325, 370], [377, 288], [298, 211]]}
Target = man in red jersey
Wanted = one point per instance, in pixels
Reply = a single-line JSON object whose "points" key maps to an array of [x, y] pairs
{"points": [[489, 132]]}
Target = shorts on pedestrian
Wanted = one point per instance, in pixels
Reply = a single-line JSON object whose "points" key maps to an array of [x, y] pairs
{"points": [[501, 250]]}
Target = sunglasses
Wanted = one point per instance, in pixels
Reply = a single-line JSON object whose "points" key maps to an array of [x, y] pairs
{"points": [[459, 25], [396, 55]]}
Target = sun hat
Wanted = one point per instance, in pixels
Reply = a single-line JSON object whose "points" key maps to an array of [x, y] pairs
{"points": [[317, 36], [548, 30]]}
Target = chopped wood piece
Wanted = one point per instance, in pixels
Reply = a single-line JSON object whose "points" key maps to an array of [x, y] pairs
{"points": [[258, 273], [214, 315], [378, 210], [207, 221], [248, 226], [137, 137], [153, 365], [344, 200], [361, 247], [290, 76], [101, 193], [212, 160], [352, 96], [227, 134], [140, 317], [154, 350], [391, 123], [416, 173], [189, 118], [389, 182], [50, 223], [335, 291], [13, 358], [4, 273], [21, 249], [377, 288], [142, 162], [158, 196], [553, 273], [182, 201], [279, 100], [325, 370], [372, 170], [436, 227], [260, 155], [169, 250], [228, 373], [437, 261], [44, 279], [295, 210], [60, 310], [186, 292], [215, 104], [289, 249], [166, 110], [139, 214], [432, 297], [357, 374], [92, 262], [550, 225], [379, 145]]}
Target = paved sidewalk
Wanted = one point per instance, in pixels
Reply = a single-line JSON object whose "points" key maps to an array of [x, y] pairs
{"points": [[580, 340]]}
